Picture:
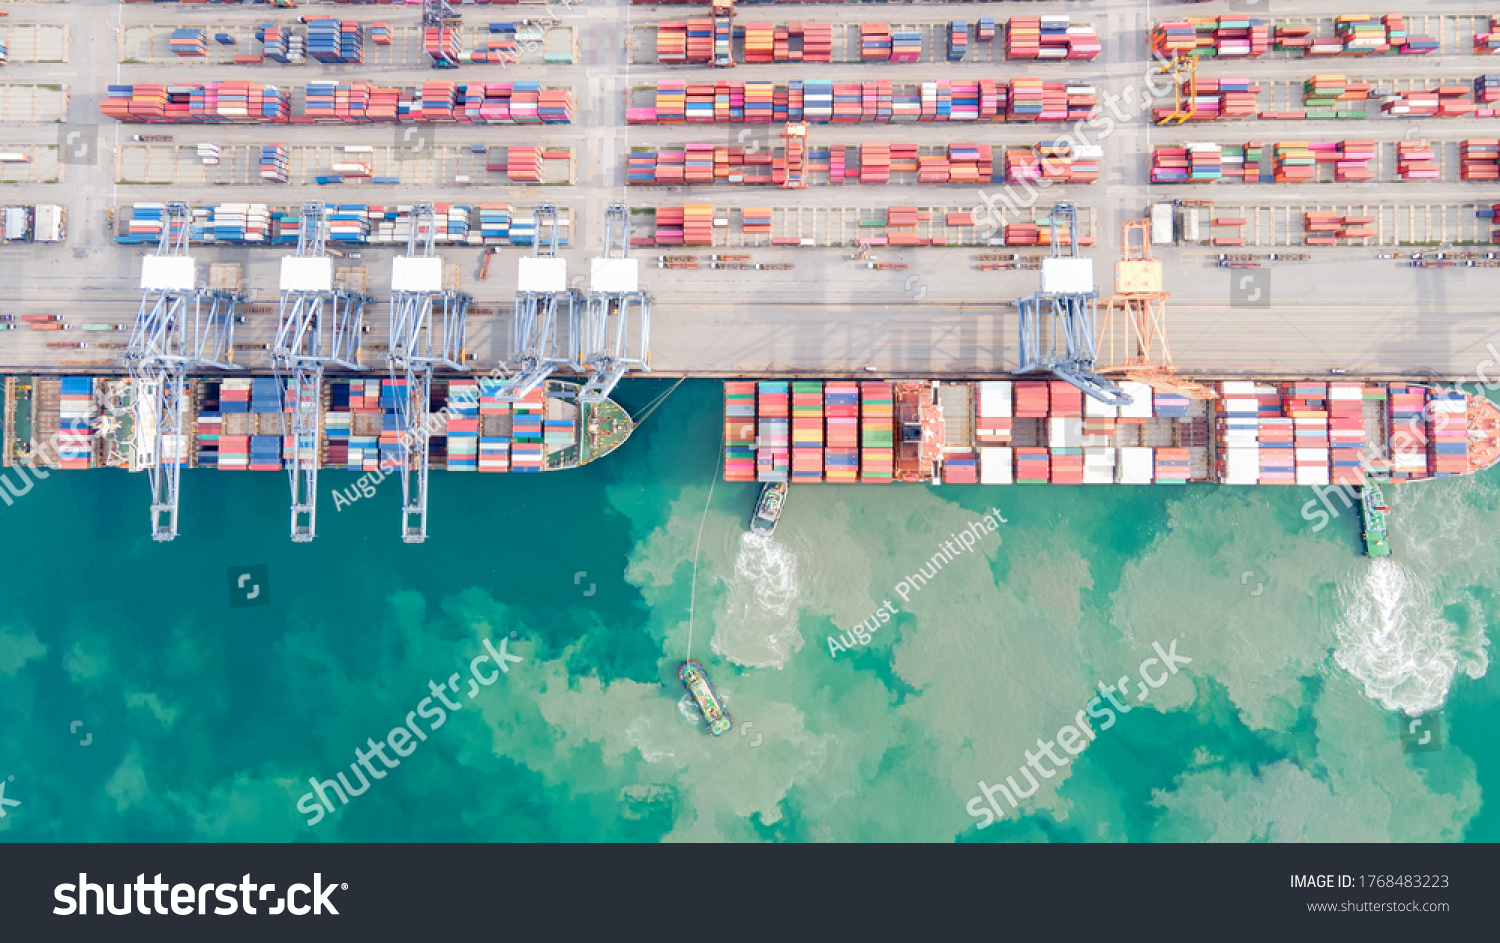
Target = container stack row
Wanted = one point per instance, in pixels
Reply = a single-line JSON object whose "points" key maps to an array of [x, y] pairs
{"points": [[794, 42], [807, 430], [877, 419], [773, 431], [342, 102], [496, 427], [824, 102], [1415, 160], [1447, 433], [242, 102], [1325, 229], [1050, 37], [77, 411], [841, 407], [335, 41], [1207, 36], [349, 223], [1479, 159], [189, 42], [739, 430]]}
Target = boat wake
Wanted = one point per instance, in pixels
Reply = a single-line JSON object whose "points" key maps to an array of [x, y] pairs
{"points": [[758, 628], [1394, 640]]}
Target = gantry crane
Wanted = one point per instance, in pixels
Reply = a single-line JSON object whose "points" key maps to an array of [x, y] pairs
{"points": [[178, 326], [794, 137], [1068, 295], [420, 309], [317, 325], [616, 309], [439, 15], [1184, 73], [1143, 308], [547, 315]]}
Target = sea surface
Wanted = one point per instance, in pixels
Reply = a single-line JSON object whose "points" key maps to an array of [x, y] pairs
{"points": [[1328, 697]]}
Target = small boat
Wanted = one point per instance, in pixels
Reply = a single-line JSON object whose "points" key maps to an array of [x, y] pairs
{"points": [[709, 704], [768, 508], [1375, 512]]}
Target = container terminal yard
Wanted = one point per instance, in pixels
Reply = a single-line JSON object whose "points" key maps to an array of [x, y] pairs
{"points": [[1149, 243]]}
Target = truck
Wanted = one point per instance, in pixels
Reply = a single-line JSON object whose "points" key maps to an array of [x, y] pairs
{"points": [[152, 138], [887, 266], [730, 258], [38, 317], [102, 327], [1161, 224], [46, 326]]}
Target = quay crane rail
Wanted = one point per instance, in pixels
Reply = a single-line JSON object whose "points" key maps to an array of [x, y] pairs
{"points": [[177, 327], [1143, 307], [317, 325], [614, 299], [1068, 296], [548, 313], [420, 308]]}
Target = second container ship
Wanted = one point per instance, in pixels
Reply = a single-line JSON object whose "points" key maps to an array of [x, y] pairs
{"points": [[1300, 432]]}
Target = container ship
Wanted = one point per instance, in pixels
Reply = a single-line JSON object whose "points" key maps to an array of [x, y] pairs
{"points": [[243, 424], [1299, 432], [696, 681]]}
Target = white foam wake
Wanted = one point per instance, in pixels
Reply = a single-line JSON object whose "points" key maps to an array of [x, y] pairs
{"points": [[1394, 641], [758, 625]]}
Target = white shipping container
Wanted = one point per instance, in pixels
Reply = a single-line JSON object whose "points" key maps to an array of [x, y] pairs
{"points": [[995, 399], [1140, 400], [1312, 474], [1097, 409], [1065, 432], [1136, 465], [995, 466]]}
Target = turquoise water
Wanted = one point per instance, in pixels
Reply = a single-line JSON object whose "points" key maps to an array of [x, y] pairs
{"points": [[207, 721]]}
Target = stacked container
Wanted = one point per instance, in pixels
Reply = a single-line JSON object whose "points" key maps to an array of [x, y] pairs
{"points": [[841, 407], [1306, 405], [1033, 466], [334, 41], [877, 431], [996, 465], [773, 441], [463, 425], [739, 430], [189, 42], [1448, 433], [807, 430], [76, 414], [1479, 159], [958, 40], [993, 412]]}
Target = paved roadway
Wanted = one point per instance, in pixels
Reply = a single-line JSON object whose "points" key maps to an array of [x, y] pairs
{"points": [[941, 317]]}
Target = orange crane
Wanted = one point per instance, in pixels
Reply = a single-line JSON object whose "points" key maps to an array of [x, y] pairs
{"points": [[1184, 73], [1143, 308]]}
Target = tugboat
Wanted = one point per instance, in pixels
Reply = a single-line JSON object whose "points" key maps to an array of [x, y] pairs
{"points": [[768, 508], [1374, 509], [712, 709]]}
